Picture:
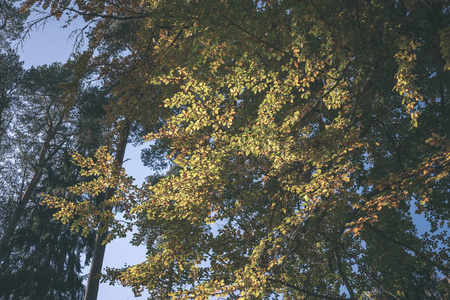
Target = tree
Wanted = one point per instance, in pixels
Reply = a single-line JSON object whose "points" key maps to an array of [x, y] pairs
{"points": [[41, 257], [102, 233], [11, 24], [11, 69], [308, 133], [43, 102]]}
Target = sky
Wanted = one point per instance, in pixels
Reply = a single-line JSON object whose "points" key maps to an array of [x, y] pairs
{"points": [[53, 44]]}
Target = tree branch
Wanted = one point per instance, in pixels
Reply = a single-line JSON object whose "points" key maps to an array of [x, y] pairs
{"points": [[417, 252], [309, 293]]}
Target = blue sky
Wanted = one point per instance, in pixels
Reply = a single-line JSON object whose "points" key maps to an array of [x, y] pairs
{"points": [[53, 44]]}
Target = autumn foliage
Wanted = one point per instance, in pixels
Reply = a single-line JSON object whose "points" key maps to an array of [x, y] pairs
{"points": [[308, 138]]}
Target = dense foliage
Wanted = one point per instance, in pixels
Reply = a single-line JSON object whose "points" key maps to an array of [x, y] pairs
{"points": [[309, 141], [39, 127], [39, 256]]}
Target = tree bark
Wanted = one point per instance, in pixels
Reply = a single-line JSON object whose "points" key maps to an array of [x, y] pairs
{"points": [[96, 266], [95, 271]]}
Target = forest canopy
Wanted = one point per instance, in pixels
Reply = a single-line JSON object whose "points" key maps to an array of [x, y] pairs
{"points": [[307, 143]]}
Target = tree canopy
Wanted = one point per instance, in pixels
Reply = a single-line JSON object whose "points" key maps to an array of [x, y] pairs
{"points": [[305, 137]]}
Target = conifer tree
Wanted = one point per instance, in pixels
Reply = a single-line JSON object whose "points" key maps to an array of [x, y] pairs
{"points": [[40, 257]]}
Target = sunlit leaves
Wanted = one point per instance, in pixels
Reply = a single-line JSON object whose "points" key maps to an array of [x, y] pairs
{"points": [[102, 174], [290, 128], [406, 85]]}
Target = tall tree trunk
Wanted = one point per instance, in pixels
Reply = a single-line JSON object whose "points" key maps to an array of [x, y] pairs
{"points": [[99, 250]]}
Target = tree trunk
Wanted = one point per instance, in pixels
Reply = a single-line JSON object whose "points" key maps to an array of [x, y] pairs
{"points": [[99, 250], [96, 266]]}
